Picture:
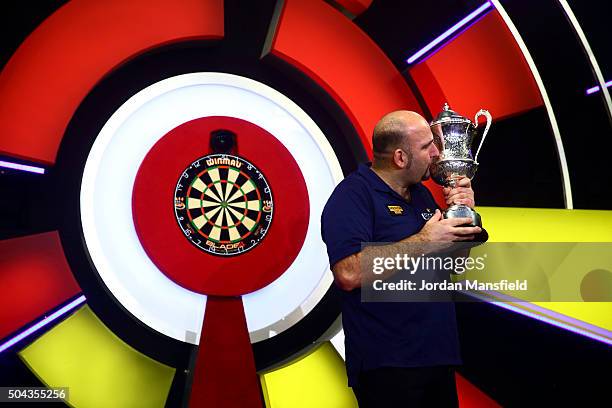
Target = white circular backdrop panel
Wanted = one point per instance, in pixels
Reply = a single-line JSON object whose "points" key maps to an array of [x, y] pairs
{"points": [[106, 202]]}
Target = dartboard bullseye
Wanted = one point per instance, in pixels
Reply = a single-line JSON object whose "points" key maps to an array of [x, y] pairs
{"points": [[223, 204]]}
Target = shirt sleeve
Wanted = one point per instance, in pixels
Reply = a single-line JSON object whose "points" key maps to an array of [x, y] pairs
{"points": [[347, 221]]}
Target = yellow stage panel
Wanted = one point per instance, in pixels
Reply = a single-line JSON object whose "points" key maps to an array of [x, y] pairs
{"points": [[316, 380], [554, 225], [99, 369], [506, 224]]}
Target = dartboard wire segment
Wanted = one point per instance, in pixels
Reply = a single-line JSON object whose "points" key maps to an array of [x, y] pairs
{"points": [[223, 204]]}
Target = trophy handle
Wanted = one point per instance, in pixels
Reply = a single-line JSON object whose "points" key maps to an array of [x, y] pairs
{"points": [[486, 114]]}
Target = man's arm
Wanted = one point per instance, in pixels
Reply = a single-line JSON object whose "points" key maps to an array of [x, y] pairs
{"points": [[442, 232]]}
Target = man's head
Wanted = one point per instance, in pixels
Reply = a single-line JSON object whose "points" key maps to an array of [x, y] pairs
{"points": [[403, 145]]}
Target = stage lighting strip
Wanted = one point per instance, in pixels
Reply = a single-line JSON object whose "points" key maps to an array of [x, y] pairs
{"points": [[46, 321], [22, 167], [597, 88], [587, 48], [448, 33], [545, 315]]}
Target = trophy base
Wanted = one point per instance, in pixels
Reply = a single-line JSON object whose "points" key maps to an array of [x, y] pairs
{"points": [[463, 211]]}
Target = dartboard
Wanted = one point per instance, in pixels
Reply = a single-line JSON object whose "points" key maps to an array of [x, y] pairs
{"points": [[223, 204]]}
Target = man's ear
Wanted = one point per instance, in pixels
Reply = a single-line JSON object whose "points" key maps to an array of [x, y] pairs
{"points": [[401, 158], [398, 158]]}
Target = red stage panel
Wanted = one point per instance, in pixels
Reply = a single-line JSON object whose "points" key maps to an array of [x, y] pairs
{"points": [[471, 397], [58, 64], [225, 373], [482, 68], [34, 278], [355, 7], [360, 77], [342, 59]]}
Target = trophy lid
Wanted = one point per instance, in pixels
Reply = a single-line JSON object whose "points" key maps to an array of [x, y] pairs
{"points": [[449, 116]]}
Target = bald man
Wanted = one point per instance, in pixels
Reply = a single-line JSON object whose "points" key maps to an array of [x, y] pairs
{"points": [[397, 354]]}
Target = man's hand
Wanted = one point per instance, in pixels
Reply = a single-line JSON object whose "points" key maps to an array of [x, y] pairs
{"points": [[461, 194], [438, 229], [436, 234]]}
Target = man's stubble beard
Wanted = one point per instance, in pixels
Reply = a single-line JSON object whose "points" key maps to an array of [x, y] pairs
{"points": [[427, 174]]}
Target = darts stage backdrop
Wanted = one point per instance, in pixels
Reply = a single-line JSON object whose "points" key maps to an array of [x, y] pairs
{"points": [[164, 166]]}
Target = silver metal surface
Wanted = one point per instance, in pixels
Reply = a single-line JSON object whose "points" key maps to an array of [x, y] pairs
{"points": [[444, 171], [463, 211], [487, 115], [453, 136]]}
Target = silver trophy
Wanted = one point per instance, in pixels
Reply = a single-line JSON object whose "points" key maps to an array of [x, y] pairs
{"points": [[453, 135]]}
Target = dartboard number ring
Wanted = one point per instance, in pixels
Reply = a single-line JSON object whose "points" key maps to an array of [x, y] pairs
{"points": [[223, 204]]}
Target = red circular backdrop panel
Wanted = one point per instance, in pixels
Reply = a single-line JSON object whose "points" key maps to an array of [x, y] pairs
{"points": [[163, 239]]}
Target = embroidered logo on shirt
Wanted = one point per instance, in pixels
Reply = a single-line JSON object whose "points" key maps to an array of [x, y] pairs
{"points": [[395, 209], [427, 214]]}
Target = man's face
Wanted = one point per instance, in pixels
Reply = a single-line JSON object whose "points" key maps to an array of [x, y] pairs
{"points": [[424, 152]]}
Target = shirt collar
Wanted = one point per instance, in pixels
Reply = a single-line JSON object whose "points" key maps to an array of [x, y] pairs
{"points": [[378, 184]]}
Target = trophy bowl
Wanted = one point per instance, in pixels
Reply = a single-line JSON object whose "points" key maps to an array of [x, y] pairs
{"points": [[443, 170]]}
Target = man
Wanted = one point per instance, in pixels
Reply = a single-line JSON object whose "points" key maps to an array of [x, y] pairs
{"points": [[397, 354]]}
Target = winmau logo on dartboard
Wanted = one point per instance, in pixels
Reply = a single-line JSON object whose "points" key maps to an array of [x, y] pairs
{"points": [[223, 204]]}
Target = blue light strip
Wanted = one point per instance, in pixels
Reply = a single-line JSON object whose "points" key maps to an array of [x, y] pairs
{"points": [[601, 335], [597, 88], [55, 315], [23, 167], [552, 322], [449, 32]]}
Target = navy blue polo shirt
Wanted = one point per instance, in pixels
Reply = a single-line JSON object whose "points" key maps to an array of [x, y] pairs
{"points": [[363, 208]]}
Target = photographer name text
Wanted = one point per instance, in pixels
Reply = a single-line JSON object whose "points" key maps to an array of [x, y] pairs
{"points": [[407, 285]]}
